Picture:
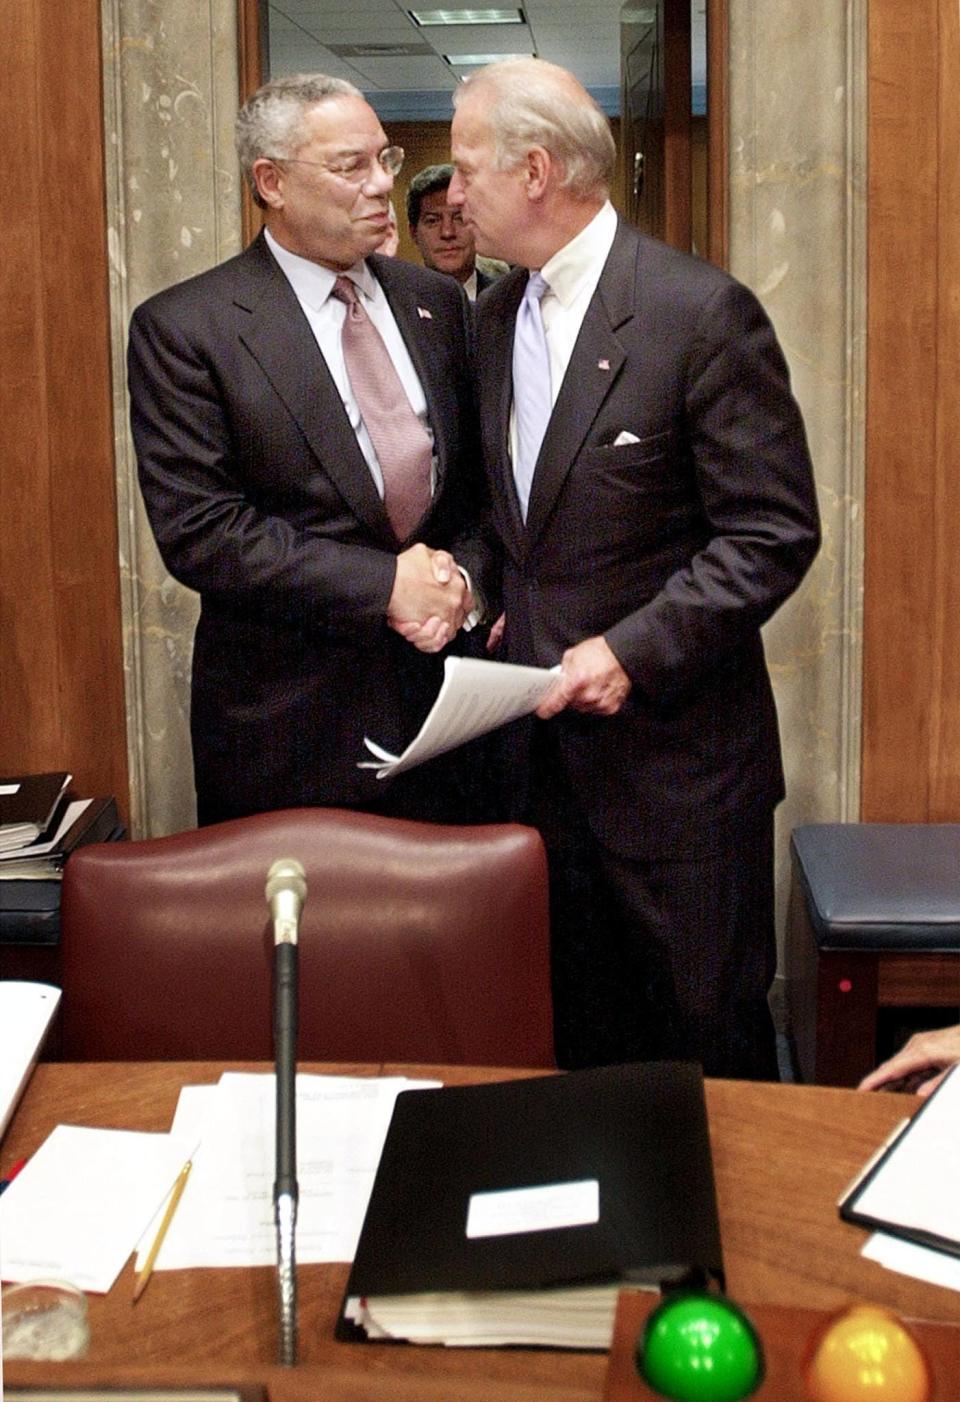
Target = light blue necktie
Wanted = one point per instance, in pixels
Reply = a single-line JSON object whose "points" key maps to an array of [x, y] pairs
{"points": [[533, 402]]}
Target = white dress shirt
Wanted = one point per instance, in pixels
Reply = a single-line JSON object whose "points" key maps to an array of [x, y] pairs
{"points": [[312, 286], [572, 275]]}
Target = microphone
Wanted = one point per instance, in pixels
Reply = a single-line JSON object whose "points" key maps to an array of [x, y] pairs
{"points": [[286, 891]]}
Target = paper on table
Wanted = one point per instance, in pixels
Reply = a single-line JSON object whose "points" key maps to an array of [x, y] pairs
{"points": [[476, 696], [77, 1209], [25, 1013], [195, 1105], [915, 1187], [225, 1217], [907, 1258]]}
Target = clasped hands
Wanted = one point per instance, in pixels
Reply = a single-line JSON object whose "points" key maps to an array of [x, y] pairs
{"points": [[430, 601], [430, 598]]}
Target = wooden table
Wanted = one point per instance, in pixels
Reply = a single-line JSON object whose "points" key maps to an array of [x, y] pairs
{"points": [[782, 1156]]}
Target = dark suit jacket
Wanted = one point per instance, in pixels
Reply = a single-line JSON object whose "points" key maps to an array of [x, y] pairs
{"points": [[261, 500], [676, 547]]}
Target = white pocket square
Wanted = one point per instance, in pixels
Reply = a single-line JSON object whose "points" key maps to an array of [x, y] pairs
{"points": [[624, 437]]}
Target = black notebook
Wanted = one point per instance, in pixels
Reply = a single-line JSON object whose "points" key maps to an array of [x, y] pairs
{"points": [[911, 1186], [520, 1208], [28, 806], [32, 882]]}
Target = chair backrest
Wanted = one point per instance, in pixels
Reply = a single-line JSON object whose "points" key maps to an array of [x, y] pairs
{"points": [[418, 943]]}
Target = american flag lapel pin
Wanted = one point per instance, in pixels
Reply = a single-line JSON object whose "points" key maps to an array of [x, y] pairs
{"points": [[423, 314], [603, 365]]}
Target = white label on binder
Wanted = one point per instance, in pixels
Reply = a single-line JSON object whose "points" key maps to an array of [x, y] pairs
{"points": [[540, 1209]]}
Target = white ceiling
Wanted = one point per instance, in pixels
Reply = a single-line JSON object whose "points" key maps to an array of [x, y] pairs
{"points": [[317, 36]]}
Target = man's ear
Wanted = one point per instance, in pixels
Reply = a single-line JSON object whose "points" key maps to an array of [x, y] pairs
{"points": [[539, 163], [268, 178]]}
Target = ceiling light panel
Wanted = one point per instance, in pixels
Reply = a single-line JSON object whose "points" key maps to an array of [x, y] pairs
{"points": [[481, 60], [431, 17]]}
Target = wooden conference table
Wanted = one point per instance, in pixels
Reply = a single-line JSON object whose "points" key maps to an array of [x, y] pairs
{"points": [[782, 1156]]}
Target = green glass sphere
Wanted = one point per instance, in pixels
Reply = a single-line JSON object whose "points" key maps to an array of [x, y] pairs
{"points": [[700, 1348]]}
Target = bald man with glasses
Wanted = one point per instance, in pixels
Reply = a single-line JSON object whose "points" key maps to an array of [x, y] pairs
{"points": [[303, 422]]}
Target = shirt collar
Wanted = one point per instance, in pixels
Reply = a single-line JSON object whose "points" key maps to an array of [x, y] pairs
{"points": [[583, 257], [313, 283]]}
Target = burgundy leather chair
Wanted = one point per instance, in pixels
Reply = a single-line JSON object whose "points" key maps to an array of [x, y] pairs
{"points": [[418, 943]]}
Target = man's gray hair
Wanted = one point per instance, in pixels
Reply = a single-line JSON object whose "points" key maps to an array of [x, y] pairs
{"points": [[270, 122], [533, 103]]}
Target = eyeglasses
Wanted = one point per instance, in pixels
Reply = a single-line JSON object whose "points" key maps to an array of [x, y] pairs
{"points": [[355, 168]]}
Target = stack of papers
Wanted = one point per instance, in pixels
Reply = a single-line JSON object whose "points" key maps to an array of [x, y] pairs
{"points": [[77, 1209], [578, 1317], [226, 1215], [82, 820], [88, 1197]]}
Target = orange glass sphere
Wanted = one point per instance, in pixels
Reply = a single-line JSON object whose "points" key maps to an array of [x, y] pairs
{"points": [[866, 1354]]}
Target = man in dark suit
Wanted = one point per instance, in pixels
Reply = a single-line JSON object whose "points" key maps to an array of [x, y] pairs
{"points": [[658, 520], [323, 552], [444, 242]]}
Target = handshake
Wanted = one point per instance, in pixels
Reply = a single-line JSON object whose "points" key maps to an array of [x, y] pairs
{"points": [[430, 600]]}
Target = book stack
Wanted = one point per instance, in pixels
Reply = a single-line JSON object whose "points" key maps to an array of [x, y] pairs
{"points": [[40, 825], [28, 808]]}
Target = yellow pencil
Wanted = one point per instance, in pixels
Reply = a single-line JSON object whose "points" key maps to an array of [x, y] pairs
{"points": [[175, 1197]]}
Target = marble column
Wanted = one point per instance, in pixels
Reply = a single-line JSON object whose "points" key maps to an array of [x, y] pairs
{"points": [[170, 99], [798, 237]]}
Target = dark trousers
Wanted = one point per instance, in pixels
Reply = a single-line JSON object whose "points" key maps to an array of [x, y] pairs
{"points": [[657, 959]]}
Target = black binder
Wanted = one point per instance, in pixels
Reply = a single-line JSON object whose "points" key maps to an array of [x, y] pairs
{"points": [[917, 1145], [28, 812], [639, 1131]]}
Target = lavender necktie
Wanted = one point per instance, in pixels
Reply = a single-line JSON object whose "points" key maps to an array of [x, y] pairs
{"points": [[400, 440], [533, 402]]}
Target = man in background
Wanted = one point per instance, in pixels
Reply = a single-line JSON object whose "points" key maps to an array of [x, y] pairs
{"points": [[303, 422], [437, 228], [654, 498]]}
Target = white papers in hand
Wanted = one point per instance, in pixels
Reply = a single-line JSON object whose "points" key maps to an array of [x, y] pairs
{"points": [[476, 696], [226, 1217], [77, 1209]]}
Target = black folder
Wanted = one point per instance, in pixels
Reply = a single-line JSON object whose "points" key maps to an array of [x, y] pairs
{"points": [[922, 1153], [639, 1131]]}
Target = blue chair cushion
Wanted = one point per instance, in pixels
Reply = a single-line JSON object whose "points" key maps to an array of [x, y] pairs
{"points": [[881, 886]]}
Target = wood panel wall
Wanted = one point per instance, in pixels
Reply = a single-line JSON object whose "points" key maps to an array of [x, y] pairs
{"points": [[911, 716], [61, 665]]}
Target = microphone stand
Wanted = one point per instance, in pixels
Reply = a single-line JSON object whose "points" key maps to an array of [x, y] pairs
{"points": [[286, 891], [285, 1188]]}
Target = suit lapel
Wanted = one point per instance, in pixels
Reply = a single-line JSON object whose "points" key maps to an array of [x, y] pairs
{"points": [[278, 336], [594, 366]]}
